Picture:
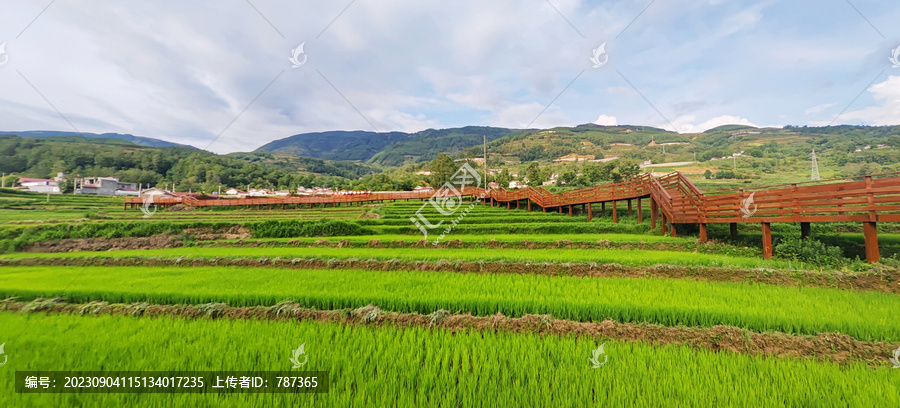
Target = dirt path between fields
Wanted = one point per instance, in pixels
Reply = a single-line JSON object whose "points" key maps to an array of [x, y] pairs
{"points": [[880, 279], [832, 347]]}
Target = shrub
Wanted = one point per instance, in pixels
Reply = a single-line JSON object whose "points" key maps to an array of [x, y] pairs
{"points": [[810, 251], [291, 229]]}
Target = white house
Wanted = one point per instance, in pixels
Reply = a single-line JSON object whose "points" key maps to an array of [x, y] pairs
{"points": [[233, 192], [262, 192], [37, 185]]}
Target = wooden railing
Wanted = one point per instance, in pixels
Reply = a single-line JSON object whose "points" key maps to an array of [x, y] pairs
{"points": [[870, 198]]}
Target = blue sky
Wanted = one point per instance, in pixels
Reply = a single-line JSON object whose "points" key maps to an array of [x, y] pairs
{"points": [[216, 74]]}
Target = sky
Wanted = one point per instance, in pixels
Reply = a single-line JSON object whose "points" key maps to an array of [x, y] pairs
{"points": [[218, 75]]}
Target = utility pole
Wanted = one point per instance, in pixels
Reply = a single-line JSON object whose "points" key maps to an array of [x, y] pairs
{"points": [[485, 159], [814, 175]]}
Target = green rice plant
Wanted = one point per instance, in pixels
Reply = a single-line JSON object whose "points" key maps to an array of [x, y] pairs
{"points": [[670, 302], [632, 257], [388, 366]]}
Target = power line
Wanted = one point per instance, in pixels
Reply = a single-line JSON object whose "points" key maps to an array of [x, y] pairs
{"points": [[815, 167]]}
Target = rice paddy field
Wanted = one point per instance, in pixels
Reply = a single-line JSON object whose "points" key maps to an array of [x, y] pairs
{"points": [[509, 309]]}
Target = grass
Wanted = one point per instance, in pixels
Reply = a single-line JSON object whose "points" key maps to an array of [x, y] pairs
{"points": [[863, 315], [510, 238], [632, 257], [389, 366]]}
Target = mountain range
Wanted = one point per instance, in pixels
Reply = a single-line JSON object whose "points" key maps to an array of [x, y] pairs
{"points": [[138, 140], [390, 149]]}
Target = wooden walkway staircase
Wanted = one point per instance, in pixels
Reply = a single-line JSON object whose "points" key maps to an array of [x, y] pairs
{"points": [[673, 200]]}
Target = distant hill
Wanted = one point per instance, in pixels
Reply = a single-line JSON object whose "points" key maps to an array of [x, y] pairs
{"points": [[425, 145], [640, 143], [192, 169], [138, 140], [337, 145], [729, 128], [392, 149]]}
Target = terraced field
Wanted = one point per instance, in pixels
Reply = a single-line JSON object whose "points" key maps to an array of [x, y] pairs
{"points": [[509, 308]]}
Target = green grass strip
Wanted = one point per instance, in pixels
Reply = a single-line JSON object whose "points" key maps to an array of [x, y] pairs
{"points": [[389, 366], [634, 257], [863, 315]]}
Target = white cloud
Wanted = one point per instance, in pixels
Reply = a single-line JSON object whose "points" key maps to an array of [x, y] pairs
{"points": [[819, 108], [887, 111], [605, 120], [687, 123]]}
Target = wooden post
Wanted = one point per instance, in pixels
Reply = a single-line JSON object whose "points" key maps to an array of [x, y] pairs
{"points": [[518, 203], [871, 233], [615, 215], [529, 205], [703, 236], [544, 208], [560, 209], [508, 205], [672, 227], [629, 208], [767, 240], [662, 223], [570, 210], [805, 230], [654, 213], [733, 226], [603, 208], [590, 209], [640, 218]]}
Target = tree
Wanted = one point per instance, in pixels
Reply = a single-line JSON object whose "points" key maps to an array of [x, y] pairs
{"points": [[707, 174], [567, 177], [593, 173], [504, 178], [535, 175], [442, 169]]}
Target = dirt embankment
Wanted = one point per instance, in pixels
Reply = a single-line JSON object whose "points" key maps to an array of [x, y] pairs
{"points": [[154, 242], [834, 347], [233, 232], [104, 244], [884, 280]]}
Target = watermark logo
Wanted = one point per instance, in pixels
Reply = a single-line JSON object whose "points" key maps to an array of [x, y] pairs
{"points": [[595, 357], [745, 206], [295, 54], [600, 52], [3, 57], [895, 359], [150, 201], [296, 354], [448, 202], [5, 357], [895, 57]]}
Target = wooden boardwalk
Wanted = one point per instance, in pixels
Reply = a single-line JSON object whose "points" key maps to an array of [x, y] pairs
{"points": [[673, 200]]}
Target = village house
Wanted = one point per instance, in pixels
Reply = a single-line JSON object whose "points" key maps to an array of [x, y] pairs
{"points": [[36, 185], [105, 186]]}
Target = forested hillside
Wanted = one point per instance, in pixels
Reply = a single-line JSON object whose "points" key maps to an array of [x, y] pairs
{"points": [[138, 140], [190, 168], [337, 145], [391, 149]]}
